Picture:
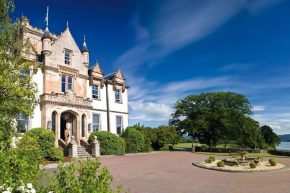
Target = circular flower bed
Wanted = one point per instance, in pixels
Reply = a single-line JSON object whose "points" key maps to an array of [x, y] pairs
{"points": [[250, 167]]}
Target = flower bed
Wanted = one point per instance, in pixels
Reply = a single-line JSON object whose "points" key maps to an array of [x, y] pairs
{"points": [[262, 166]]}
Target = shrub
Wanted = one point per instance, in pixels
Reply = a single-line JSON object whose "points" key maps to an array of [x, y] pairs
{"points": [[220, 164], [165, 135], [202, 148], [17, 168], [134, 140], [150, 137], [28, 147], [80, 176], [55, 154], [253, 165], [164, 148], [211, 158], [272, 162], [44, 137], [110, 144]]}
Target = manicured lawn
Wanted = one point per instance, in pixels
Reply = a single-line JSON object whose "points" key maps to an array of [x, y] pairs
{"points": [[184, 145], [247, 155], [189, 145], [230, 145]]}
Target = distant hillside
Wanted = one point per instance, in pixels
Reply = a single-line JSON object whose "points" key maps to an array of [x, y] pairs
{"points": [[284, 137]]}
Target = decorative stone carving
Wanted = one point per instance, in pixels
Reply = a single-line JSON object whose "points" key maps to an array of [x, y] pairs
{"points": [[66, 100]]}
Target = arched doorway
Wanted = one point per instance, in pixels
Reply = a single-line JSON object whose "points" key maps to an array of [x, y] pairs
{"points": [[68, 120]]}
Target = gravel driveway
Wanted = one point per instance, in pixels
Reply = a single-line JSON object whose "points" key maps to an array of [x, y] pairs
{"points": [[173, 172]]}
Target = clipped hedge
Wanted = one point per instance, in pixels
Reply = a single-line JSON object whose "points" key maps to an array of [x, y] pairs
{"points": [[134, 140], [272, 162], [210, 159], [110, 144], [44, 137], [220, 164], [253, 165]]}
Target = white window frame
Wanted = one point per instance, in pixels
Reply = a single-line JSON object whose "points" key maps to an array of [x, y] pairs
{"points": [[97, 97], [66, 83], [67, 57], [120, 96], [93, 124], [121, 129]]}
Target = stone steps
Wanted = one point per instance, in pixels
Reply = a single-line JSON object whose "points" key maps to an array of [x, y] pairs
{"points": [[82, 153]]}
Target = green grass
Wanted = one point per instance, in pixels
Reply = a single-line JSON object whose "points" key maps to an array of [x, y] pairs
{"points": [[184, 145], [247, 155], [231, 145], [189, 145]]}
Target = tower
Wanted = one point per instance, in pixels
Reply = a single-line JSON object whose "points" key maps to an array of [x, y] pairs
{"points": [[46, 38], [85, 53]]}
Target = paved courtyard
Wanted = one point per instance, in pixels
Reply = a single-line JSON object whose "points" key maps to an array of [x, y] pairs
{"points": [[172, 172]]}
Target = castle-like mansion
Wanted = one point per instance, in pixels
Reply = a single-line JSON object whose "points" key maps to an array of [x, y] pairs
{"points": [[74, 96]]}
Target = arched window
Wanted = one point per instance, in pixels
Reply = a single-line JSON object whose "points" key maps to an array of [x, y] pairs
{"points": [[53, 121], [83, 125]]}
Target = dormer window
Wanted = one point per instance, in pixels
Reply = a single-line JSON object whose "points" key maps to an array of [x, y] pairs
{"points": [[118, 97], [67, 57]]}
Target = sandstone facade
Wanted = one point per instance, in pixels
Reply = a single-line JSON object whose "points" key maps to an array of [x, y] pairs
{"points": [[73, 95]]}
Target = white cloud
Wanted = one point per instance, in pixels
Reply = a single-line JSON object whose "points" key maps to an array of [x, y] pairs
{"points": [[170, 27], [279, 121], [150, 111], [173, 28], [258, 108], [196, 84]]}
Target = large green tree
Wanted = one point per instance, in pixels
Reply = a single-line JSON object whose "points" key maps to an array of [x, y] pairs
{"points": [[17, 92], [247, 134], [165, 135], [212, 117], [270, 137]]}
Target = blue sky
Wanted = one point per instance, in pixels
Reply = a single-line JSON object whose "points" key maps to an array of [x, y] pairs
{"points": [[169, 49]]}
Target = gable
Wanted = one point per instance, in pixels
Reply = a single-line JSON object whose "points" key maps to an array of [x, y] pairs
{"points": [[29, 47], [119, 75], [29, 51], [64, 42], [67, 41], [97, 69]]}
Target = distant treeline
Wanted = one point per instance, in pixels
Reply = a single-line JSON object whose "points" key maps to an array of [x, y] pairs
{"points": [[284, 137]]}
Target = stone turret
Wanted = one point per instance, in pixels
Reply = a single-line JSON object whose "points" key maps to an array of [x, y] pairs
{"points": [[46, 39], [85, 53], [24, 21]]}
